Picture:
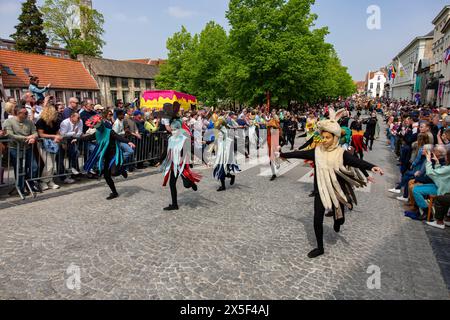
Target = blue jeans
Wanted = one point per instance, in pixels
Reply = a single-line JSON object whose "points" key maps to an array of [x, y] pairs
{"points": [[420, 192], [127, 152], [393, 142], [31, 167]]}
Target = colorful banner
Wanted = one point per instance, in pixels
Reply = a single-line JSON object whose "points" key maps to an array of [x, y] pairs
{"points": [[156, 99], [447, 55]]}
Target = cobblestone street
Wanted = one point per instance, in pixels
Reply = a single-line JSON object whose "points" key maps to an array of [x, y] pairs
{"points": [[249, 242]]}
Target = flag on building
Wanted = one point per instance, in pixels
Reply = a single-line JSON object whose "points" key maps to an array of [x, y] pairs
{"points": [[401, 68], [447, 55], [394, 72]]}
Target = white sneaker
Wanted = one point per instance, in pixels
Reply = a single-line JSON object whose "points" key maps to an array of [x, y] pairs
{"points": [[75, 171], [69, 181], [44, 186], [402, 199], [53, 185], [434, 224], [447, 223], [396, 191]]}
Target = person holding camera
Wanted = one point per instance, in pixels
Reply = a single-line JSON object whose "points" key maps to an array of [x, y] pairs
{"points": [[34, 88]]}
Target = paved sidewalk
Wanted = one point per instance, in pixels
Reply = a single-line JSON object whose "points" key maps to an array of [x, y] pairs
{"points": [[247, 243]]}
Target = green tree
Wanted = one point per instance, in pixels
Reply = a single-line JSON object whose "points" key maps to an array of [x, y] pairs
{"points": [[75, 26], [204, 66], [338, 82], [274, 50], [172, 76], [29, 35]]}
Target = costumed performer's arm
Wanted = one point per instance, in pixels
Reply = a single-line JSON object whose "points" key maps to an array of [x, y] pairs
{"points": [[355, 162], [307, 144], [305, 155], [88, 137], [119, 138]]}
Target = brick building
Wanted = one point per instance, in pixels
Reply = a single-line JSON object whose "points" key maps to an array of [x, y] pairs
{"points": [[68, 77], [123, 80]]}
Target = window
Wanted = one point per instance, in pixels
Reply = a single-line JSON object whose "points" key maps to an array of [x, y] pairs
{"points": [[125, 96], [27, 71], [114, 97], [371, 85], [137, 94], [9, 71], [113, 82], [148, 84], [89, 95], [59, 95], [137, 83], [78, 95], [124, 83]]}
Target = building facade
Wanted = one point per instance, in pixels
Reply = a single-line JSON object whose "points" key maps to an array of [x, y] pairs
{"points": [[120, 80], [360, 87], [439, 67], [403, 86], [375, 84], [68, 78], [6, 44]]}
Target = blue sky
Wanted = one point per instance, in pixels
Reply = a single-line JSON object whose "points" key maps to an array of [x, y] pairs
{"points": [[139, 28]]}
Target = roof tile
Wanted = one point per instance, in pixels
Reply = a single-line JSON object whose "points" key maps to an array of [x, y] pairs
{"points": [[61, 73]]}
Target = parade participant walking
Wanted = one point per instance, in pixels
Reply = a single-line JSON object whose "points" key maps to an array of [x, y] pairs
{"points": [[371, 128], [358, 138], [176, 163], [335, 177], [107, 154], [225, 165]]}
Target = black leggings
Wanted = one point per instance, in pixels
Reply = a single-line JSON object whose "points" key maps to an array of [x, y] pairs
{"points": [[108, 178], [291, 139], [319, 213], [173, 188], [370, 139]]}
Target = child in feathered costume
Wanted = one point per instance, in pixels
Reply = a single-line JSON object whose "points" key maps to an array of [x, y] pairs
{"points": [[176, 163], [225, 165], [335, 177], [107, 155]]}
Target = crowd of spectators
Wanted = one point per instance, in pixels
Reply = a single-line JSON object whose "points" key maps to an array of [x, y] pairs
{"points": [[419, 136], [40, 137]]}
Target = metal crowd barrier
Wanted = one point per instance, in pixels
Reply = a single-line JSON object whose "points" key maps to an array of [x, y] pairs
{"points": [[25, 167]]}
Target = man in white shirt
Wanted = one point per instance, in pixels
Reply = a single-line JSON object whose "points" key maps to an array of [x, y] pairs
{"points": [[119, 128], [71, 129]]}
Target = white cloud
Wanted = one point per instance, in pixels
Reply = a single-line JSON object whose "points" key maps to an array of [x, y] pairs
{"points": [[9, 7], [121, 17], [178, 12]]}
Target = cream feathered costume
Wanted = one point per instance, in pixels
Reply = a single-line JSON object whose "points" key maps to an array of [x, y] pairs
{"points": [[330, 165], [336, 175]]}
